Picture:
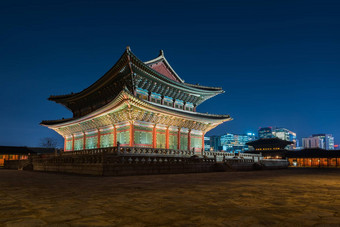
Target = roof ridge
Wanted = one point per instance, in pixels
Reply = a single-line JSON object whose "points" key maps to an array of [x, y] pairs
{"points": [[161, 57]]}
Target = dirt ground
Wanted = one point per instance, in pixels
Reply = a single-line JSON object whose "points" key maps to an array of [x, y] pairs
{"points": [[292, 197]]}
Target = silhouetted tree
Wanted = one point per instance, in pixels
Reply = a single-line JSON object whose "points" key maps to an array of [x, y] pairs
{"points": [[49, 142]]}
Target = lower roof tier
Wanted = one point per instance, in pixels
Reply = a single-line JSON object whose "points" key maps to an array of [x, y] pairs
{"points": [[126, 107]]}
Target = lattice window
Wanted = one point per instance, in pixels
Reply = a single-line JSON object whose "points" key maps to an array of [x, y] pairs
{"points": [[68, 146], [160, 140], [196, 142], [173, 141], [184, 141], [78, 144], [123, 137], [106, 140], [91, 142], [143, 138]]}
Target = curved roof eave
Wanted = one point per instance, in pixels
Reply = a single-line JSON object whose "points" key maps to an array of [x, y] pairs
{"points": [[126, 95]]}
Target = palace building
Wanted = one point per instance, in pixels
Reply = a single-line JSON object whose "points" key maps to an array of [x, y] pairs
{"points": [[137, 104]]}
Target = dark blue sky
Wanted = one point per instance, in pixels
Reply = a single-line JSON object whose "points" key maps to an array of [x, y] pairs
{"points": [[278, 61]]}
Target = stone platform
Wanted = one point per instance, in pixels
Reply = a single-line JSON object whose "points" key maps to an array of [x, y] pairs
{"points": [[289, 197], [123, 161]]}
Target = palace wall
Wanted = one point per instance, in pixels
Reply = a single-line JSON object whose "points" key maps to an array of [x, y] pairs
{"points": [[122, 161]]}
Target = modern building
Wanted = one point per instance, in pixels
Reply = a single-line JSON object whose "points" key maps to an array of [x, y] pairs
{"points": [[137, 104], [207, 145], [236, 142], [312, 142], [323, 141], [327, 139], [285, 134], [215, 143], [266, 132]]}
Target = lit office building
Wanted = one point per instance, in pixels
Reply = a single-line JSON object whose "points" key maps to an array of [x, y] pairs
{"points": [[328, 140], [215, 143], [236, 142], [312, 142], [285, 134], [207, 144], [265, 133]]}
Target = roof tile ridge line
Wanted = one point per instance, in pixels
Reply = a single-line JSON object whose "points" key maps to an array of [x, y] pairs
{"points": [[153, 71], [126, 52], [169, 80], [167, 64], [202, 86], [159, 74]]}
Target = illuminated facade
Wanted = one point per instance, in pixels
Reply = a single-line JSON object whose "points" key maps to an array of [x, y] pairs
{"points": [[285, 134], [137, 104], [327, 140], [236, 142], [265, 133], [314, 157], [270, 147]]}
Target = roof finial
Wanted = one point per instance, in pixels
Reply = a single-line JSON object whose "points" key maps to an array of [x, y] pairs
{"points": [[161, 53], [128, 48]]}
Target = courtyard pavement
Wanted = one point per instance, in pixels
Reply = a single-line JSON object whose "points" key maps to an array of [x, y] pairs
{"points": [[291, 197]]}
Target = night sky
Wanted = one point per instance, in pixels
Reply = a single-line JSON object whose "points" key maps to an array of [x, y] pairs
{"points": [[278, 61]]}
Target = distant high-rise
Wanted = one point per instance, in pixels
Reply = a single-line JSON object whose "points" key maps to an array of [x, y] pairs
{"points": [[207, 144], [323, 141], [265, 133], [215, 143], [285, 134], [236, 142], [312, 142], [327, 140]]}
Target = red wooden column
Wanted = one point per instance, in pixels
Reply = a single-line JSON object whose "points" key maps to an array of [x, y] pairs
{"points": [[65, 143], [132, 135], [115, 135], [202, 141], [179, 139], [167, 138], [154, 137], [98, 143], [84, 141], [189, 139], [72, 142]]}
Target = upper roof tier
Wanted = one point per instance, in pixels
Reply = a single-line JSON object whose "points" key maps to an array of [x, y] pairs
{"points": [[154, 76]]}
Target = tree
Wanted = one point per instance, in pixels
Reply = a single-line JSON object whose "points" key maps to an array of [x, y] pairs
{"points": [[49, 142]]}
